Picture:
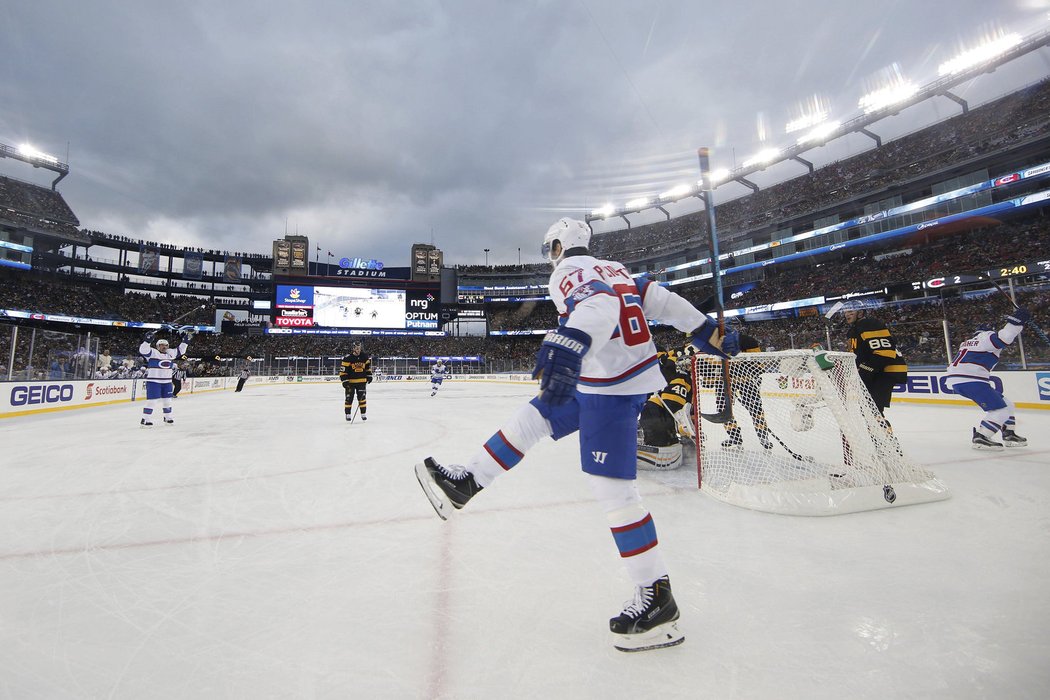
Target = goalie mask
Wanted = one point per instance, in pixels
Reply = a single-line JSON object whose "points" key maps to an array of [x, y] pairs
{"points": [[569, 233]]}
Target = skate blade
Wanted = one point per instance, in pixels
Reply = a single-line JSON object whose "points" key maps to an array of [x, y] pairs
{"points": [[666, 635], [1015, 445], [442, 505], [990, 448]]}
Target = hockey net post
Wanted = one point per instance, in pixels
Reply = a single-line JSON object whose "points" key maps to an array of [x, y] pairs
{"points": [[805, 439]]}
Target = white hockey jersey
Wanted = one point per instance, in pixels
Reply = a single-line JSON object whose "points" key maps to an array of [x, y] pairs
{"points": [[600, 298], [159, 365], [979, 355], [438, 372]]}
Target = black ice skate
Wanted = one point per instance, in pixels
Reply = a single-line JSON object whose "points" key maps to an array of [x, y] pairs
{"points": [[146, 423], [364, 417], [734, 442], [649, 621], [169, 421], [1012, 439], [980, 442], [447, 488]]}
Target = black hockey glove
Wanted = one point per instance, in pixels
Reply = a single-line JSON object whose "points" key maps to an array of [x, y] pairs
{"points": [[149, 336], [558, 364], [1019, 317]]}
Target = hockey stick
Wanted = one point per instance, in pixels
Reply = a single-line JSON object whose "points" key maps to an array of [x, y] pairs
{"points": [[191, 311], [794, 455], [1031, 322], [354, 414], [726, 414]]}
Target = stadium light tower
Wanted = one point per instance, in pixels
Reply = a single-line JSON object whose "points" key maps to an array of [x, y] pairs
{"points": [[487, 256], [38, 159]]}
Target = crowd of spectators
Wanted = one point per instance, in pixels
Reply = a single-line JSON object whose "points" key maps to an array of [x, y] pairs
{"points": [[24, 203], [986, 129]]}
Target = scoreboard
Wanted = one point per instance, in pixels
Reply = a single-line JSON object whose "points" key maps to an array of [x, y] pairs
{"points": [[324, 307], [1013, 269]]}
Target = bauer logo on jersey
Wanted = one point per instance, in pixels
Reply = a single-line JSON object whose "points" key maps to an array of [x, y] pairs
{"points": [[1042, 384]]}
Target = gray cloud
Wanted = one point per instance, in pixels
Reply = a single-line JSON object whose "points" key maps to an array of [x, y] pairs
{"points": [[368, 126]]}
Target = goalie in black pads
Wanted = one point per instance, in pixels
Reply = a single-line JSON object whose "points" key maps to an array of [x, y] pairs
{"points": [[659, 438]]}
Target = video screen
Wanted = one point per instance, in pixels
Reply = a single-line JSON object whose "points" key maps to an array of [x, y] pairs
{"points": [[306, 306], [342, 307]]}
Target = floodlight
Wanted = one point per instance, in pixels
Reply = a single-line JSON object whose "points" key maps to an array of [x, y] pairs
{"points": [[766, 155], [820, 132], [676, 192], [29, 152], [605, 211], [979, 54], [886, 96], [639, 203], [719, 175]]}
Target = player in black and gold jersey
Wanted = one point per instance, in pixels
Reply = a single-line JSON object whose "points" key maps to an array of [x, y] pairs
{"points": [[355, 372], [746, 391], [659, 446], [880, 363]]}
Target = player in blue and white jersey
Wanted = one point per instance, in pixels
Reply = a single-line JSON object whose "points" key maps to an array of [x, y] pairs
{"points": [[437, 375], [595, 374], [969, 375], [160, 363]]}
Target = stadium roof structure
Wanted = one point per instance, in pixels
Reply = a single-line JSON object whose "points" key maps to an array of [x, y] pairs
{"points": [[37, 159], [941, 87]]}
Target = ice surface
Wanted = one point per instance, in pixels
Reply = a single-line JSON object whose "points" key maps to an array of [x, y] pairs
{"points": [[263, 548]]}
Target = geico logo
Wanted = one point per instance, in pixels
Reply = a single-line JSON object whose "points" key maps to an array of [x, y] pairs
{"points": [[294, 321], [52, 393], [932, 384]]}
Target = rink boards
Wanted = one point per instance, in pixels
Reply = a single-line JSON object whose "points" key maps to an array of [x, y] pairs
{"points": [[1028, 390], [28, 398]]}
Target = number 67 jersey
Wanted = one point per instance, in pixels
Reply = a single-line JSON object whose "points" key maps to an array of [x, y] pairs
{"points": [[601, 299]]}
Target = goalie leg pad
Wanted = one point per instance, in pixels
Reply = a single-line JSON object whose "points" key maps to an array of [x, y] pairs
{"points": [[657, 458]]}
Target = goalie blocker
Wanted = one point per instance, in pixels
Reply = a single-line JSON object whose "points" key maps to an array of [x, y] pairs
{"points": [[830, 451]]}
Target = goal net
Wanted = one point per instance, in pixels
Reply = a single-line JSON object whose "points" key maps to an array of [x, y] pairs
{"points": [[797, 433]]}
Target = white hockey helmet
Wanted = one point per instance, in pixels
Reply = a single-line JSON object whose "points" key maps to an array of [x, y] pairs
{"points": [[163, 342], [571, 233]]}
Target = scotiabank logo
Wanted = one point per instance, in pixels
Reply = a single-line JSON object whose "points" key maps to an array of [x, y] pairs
{"points": [[22, 395], [300, 322], [93, 391]]}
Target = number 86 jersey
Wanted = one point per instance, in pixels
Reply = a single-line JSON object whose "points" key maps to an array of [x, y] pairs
{"points": [[601, 299]]}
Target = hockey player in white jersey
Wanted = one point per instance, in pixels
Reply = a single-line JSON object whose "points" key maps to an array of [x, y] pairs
{"points": [[595, 373], [160, 362], [437, 375], [969, 375]]}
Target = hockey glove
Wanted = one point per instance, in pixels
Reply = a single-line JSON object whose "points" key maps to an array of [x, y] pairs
{"points": [[369, 379], [150, 335], [706, 340], [1019, 317], [558, 364]]}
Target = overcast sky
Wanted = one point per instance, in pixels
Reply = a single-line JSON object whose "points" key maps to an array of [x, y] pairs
{"points": [[475, 123]]}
